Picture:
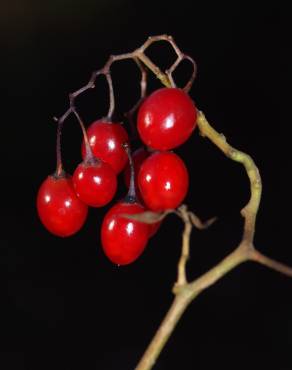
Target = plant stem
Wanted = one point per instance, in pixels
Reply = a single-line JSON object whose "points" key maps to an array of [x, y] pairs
{"points": [[59, 165], [249, 212], [131, 195], [142, 60], [166, 328], [185, 250], [89, 157], [256, 256], [185, 295]]}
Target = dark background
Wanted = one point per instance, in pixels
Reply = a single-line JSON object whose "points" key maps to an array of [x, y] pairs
{"points": [[67, 305]]}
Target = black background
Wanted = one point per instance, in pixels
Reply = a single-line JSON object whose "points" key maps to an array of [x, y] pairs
{"points": [[67, 305]]}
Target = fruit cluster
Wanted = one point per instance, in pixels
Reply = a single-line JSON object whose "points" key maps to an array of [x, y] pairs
{"points": [[157, 178]]}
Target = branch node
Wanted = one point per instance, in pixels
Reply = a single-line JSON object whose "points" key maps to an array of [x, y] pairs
{"points": [[232, 153], [179, 288]]}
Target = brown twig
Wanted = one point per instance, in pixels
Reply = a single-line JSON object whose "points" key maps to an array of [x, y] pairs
{"points": [[141, 59]]}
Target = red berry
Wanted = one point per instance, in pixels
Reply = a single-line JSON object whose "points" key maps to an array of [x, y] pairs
{"points": [[59, 209], [163, 181], [95, 182], [106, 139], [166, 118], [123, 240]]}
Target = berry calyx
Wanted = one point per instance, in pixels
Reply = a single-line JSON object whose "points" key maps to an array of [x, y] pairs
{"points": [[106, 139], [59, 209], [163, 181], [166, 119]]}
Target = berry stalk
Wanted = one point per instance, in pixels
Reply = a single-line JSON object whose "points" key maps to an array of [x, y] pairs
{"points": [[59, 166], [131, 196], [89, 157]]}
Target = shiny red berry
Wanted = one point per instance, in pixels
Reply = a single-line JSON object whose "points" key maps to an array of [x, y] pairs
{"points": [[166, 119], [163, 181], [59, 209], [106, 139], [123, 240], [95, 182]]}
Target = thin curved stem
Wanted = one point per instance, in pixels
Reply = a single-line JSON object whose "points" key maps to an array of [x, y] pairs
{"points": [[89, 155], [249, 212], [111, 96], [143, 90], [143, 81], [185, 250], [131, 196], [59, 165]]}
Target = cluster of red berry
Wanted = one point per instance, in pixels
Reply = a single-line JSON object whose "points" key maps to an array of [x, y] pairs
{"points": [[165, 120]]}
